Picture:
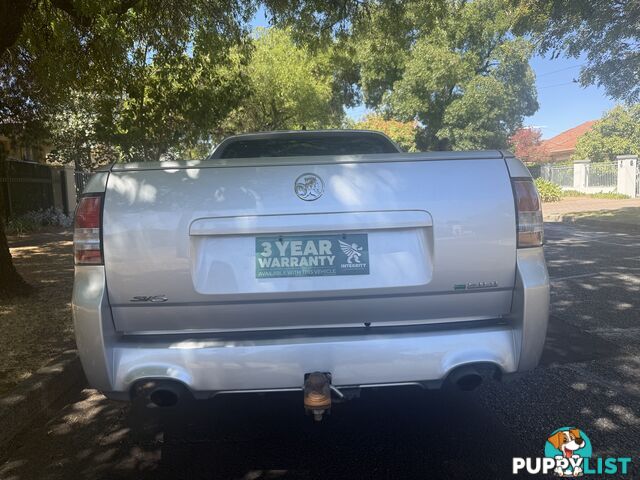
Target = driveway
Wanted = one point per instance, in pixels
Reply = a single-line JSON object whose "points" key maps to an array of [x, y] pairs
{"points": [[589, 378]]}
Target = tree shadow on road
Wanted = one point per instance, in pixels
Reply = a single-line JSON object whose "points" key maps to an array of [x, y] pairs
{"points": [[402, 433], [37, 328]]}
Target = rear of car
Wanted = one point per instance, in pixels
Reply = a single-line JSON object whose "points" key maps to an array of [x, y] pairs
{"points": [[249, 271]]}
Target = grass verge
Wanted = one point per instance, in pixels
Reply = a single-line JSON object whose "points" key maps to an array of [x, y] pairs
{"points": [[628, 216], [605, 195]]}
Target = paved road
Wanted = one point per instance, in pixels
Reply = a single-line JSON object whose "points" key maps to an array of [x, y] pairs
{"points": [[589, 377]]}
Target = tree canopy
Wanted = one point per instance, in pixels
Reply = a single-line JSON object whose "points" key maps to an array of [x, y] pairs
{"points": [[154, 73], [139, 75], [466, 78], [403, 133], [617, 133], [288, 87], [527, 145], [605, 32], [161, 77], [152, 79]]}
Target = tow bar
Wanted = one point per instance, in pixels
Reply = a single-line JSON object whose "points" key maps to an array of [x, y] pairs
{"points": [[317, 394]]}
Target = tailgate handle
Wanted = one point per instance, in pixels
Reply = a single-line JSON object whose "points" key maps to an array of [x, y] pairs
{"points": [[313, 222]]}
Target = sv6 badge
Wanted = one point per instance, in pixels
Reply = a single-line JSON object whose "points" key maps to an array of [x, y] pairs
{"points": [[154, 298]]}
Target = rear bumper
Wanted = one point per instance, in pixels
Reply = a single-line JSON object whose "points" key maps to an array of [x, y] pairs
{"points": [[208, 366]]}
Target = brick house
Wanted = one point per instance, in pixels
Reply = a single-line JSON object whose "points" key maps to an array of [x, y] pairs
{"points": [[561, 147]]}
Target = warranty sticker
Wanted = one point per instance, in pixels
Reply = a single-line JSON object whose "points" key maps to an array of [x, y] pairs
{"points": [[312, 255]]}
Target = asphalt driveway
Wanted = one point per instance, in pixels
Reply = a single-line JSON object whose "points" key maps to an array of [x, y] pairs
{"points": [[589, 378]]}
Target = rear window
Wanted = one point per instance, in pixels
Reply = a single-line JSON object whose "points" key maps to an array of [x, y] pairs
{"points": [[295, 145]]}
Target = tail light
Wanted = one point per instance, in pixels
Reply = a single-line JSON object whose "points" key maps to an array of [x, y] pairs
{"points": [[87, 234], [529, 213]]}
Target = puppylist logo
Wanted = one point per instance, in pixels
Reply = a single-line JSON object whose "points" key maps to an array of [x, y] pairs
{"points": [[568, 453]]}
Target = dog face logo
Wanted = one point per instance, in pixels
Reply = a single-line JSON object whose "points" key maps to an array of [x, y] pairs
{"points": [[567, 441], [569, 446]]}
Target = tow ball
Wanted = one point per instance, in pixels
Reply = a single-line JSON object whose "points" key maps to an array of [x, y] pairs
{"points": [[317, 394]]}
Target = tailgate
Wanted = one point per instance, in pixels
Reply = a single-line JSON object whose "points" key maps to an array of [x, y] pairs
{"points": [[240, 248]]}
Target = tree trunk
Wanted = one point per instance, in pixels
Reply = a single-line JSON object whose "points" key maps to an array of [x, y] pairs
{"points": [[11, 283]]}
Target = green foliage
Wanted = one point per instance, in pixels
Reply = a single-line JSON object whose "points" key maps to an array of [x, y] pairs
{"points": [[548, 191], [289, 87], [159, 85], [170, 104], [573, 193], [605, 33], [155, 76], [606, 195], [132, 80], [403, 133], [618, 133], [609, 195], [466, 78], [318, 22], [72, 130]]}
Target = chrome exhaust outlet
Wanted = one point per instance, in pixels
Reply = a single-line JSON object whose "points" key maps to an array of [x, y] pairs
{"points": [[160, 393], [466, 378], [164, 398]]}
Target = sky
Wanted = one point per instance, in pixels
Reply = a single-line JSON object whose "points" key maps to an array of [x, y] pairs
{"points": [[563, 103]]}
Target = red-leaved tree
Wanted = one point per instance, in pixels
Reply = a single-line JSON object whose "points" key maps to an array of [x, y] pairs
{"points": [[528, 146]]}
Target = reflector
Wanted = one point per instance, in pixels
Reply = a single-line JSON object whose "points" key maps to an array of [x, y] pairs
{"points": [[87, 244], [530, 226], [88, 212]]}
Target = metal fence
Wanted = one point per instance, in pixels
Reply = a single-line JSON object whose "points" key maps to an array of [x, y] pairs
{"points": [[584, 177], [535, 170], [560, 175], [81, 179], [27, 186], [603, 174]]}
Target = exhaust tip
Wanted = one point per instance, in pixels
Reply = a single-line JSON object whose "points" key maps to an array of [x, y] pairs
{"points": [[160, 393], [469, 382], [469, 377], [163, 398]]}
